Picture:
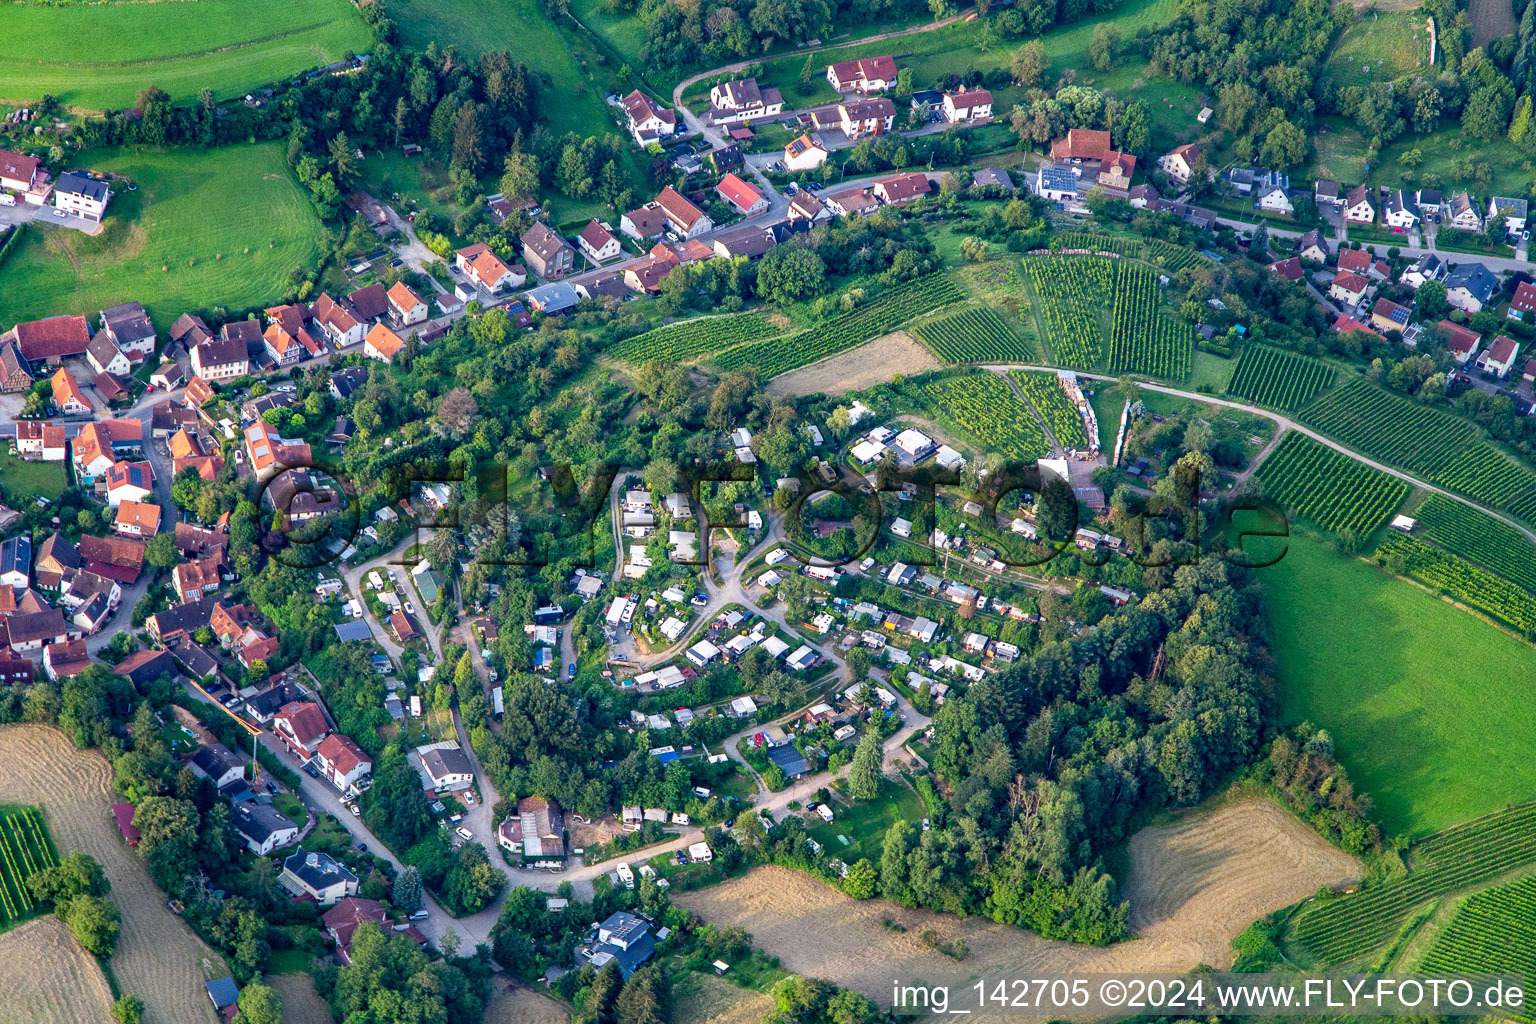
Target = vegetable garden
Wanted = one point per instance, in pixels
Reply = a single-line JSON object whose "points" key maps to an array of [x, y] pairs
{"points": [[976, 335], [887, 311], [985, 406], [1331, 489], [1279, 379], [689, 338], [1055, 408], [1070, 294], [1478, 536], [24, 851], [1142, 337], [1461, 580], [1490, 934], [1441, 447], [1350, 926]]}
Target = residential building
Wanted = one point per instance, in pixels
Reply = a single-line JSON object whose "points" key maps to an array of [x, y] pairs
{"points": [[1470, 287], [130, 481], [1273, 198], [687, 220], [216, 763], [192, 580], [105, 357], [1313, 246], [79, 195], [1348, 287], [117, 558], [1427, 267], [67, 395], [1179, 164], [1462, 214], [1430, 201], [751, 242], [270, 453], [549, 255], [137, 519], [1360, 261], [338, 321], [1461, 342], [536, 830], [63, 659], [263, 828], [16, 561], [486, 273], [1358, 207], [301, 725], [1512, 210], [805, 206], [18, 173], [1524, 301], [743, 100], [32, 631], [382, 344], [14, 373], [967, 105], [552, 299], [648, 120], [344, 382], [598, 244], [352, 912], [851, 203], [220, 359], [370, 302], [1289, 269], [318, 876], [445, 767], [644, 224], [342, 762], [1387, 315], [622, 938], [50, 341], [902, 188], [859, 118], [129, 328], [867, 74], [1328, 193], [405, 306], [1081, 144], [1500, 357], [1400, 211]]}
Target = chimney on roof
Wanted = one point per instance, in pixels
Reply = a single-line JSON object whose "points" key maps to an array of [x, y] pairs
{"points": [[312, 860]]}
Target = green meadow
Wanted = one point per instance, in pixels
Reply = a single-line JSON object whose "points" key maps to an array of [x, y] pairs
{"points": [[225, 227], [1424, 700], [99, 56]]}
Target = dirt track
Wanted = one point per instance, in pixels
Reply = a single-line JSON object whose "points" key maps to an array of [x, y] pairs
{"points": [[46, 978], [1194, 886], [158, 958], [873, 362]]}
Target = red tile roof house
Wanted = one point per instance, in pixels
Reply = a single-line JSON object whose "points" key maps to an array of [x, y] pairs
{"points": [[742, 197], [1524, 301], [1500, 357], [867, 74], [903, 188], [67, 394], [1346, 324], [1348, 287], [130, 481], [1461, 341], [1289, 269], [648, 120], [220, 359], [642, 225], [343, 920], [597, 242], [17, 172], [406, 307], [337, 321], [50, 341], [340, 760], [301, 726], [686, 219], [972, 105], [382, 344]]}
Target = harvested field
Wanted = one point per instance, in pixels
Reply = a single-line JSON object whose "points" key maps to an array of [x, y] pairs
{"points": [[523, 1006], [1490, 20], [158, 958], [1195, 884], [48, 979], [873, 362], [301, 1003], [706, 999]]}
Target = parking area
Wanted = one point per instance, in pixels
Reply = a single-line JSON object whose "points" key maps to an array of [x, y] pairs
{"points": [[23, 213]]}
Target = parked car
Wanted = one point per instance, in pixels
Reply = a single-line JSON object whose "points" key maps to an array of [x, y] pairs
{"points": [[355, 812], [464, 834]]}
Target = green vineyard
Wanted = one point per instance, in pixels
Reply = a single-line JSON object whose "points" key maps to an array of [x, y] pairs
{"points": [[1461, 580], [1070, 294], [1328, 487], [1273, 377], [1171, 257], [690, 338], [985, 406], [1475, 535], [887, 311], [1131, 248], [1442, 448], [24, 851], [1055, 407], [978, 335], [1491, 933], [1142, 337], [1351, 926]]}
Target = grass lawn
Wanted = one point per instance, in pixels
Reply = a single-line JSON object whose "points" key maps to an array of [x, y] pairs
{"points": [[1210, 372], [1421, 713], [289, 961], [1338, 154], [290, 805], [100, 56], [1107, 406], [865, 822], [17, 478], [162, 243], [1443, 154], [1380, 47]]}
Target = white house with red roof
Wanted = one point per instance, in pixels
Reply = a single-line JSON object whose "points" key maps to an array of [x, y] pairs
{"points": [[1348, 287], [130, 481], [382, 344], [1461, 341], [301, 725], [1499, 359], [858, 118], [341, 761], [686, 219], [867, 74], [648, 120], [17, 172], [902, 188], [741, 196], [806, 153], [1524, 301], [597, 242], [405, 306], [967, 105]]}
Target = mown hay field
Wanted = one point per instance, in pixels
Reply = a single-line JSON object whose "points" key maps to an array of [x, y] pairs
{"points": [[99, 56], [47, 978], [1194, 885], [158, 958], [220, 228]]}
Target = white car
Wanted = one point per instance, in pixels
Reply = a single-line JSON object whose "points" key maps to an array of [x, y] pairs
{"points": [[464, 834], [354, 809]]}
